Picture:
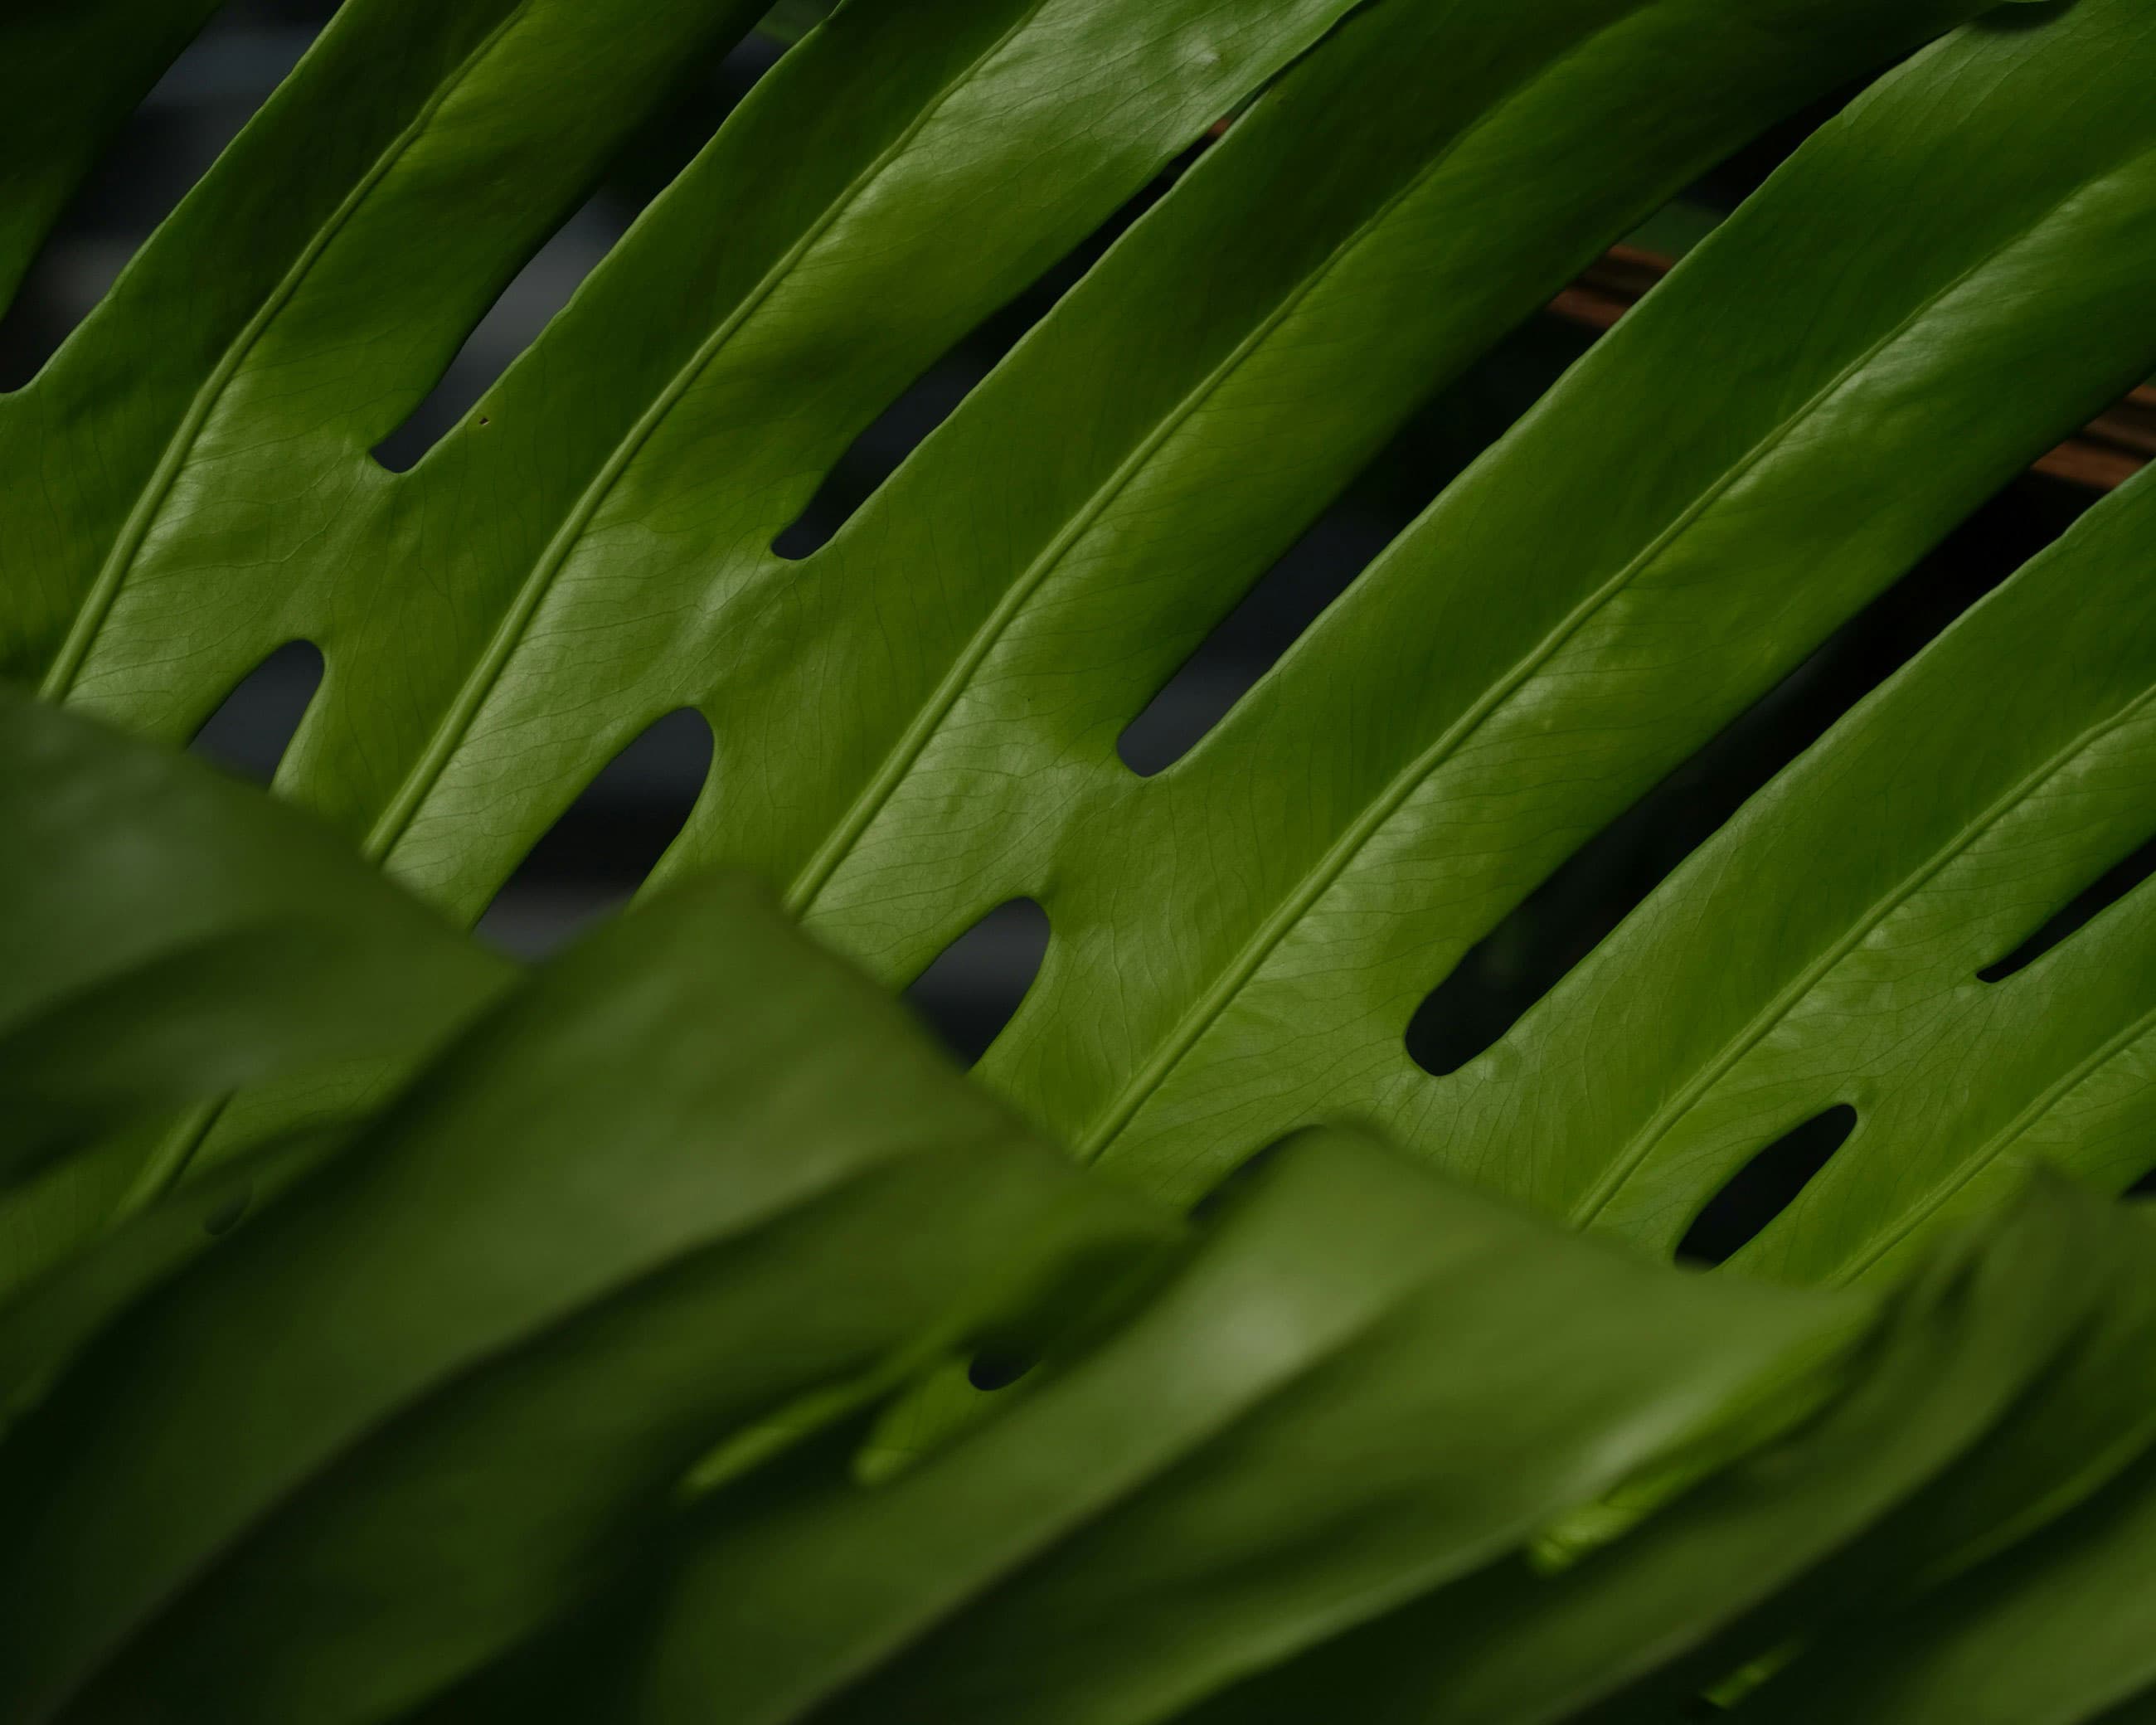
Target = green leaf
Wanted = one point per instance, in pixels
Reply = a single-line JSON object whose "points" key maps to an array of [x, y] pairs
{"points": [[695, 1179], [610, 1370], [1512, 675], [1930, 832], [694, 1172], [73, 72], [2054, 1630], [790, 20], [1304, 1480], [172, 936], [308, 334], [2058, 1633], [44, 1327], [1483, 1374], [293, 280], [1816, 1535], [781, 293]]}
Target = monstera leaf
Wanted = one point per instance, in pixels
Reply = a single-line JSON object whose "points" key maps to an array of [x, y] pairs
{"points": [[918, 723], [170, 936], [612, 1341], [571, 1386]]}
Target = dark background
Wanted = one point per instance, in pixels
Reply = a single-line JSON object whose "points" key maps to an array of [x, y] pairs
{"points": [[599, 851]]}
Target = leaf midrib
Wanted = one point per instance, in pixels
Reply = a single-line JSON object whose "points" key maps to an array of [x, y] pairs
{"points": [[97, 607], [1380, 810], [450, 735]]}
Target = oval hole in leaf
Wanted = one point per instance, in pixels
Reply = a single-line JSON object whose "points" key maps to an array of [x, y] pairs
{"points": [[249, 733], [228, 1215], [177, 131], [530, 298], [2145, 1187], [1765, 1186], [994, 1369], [978, 981], [2113, 885], [880, 450], [1503, 976], [596, 855]]}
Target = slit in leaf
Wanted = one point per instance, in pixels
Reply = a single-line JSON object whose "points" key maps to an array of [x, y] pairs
{"points": [[1765, 1186], [881, 449], [1249, 640], [645, 165], [2113, 885], [1505, 974], [523, 308], [249, 733], [594, 857], [669, 141], [977, 983], [1397, 485], [177, 131]]}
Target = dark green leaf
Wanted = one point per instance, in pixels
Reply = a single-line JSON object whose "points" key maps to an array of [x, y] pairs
{"points": [[370, 1441], [172, 934]]}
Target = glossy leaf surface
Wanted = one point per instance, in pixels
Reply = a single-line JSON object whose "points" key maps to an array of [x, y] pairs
{"points": [[1926, 837], [918, 722], [1513, 674]]}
